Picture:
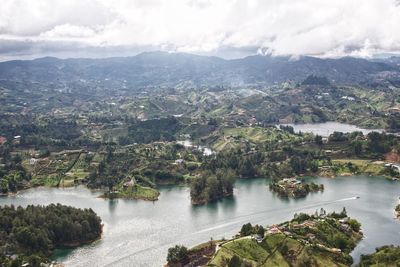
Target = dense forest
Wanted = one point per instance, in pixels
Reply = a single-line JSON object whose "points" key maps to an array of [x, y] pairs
{"points": [[31, 234], [13, 175]]}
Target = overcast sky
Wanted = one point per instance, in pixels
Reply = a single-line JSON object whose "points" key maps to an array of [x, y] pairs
{"points": [[227, 28]]}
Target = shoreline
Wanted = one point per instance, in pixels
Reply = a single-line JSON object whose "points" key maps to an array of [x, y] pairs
{"points": [[103, 196], [197, 202]]}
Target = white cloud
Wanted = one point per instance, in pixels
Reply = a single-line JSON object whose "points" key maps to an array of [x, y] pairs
{"points": [[281, 27], [68, 31]]}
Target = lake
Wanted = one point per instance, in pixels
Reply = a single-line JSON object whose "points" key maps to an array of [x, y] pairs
{"points": [[327, 128], [139, 233]]}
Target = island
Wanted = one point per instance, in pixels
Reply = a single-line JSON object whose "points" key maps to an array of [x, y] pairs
{"points": [[209, 187], [397, 211], [130, 189], [319, 239], [294, 188], [30, 235]]}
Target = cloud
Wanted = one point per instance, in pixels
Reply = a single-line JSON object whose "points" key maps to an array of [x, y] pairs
{"points": [[277, 27], [68, 31]]}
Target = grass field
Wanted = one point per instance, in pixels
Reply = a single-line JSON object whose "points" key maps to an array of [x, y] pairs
{"points": [[230, 137], [138, 192], [268, 252], [363, 166]]}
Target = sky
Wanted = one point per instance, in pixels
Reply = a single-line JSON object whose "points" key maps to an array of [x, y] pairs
{"points": [[225, 28]]}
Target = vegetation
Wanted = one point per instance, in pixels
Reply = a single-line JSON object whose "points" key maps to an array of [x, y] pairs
{"points": [[31, 234], [384, 256]]}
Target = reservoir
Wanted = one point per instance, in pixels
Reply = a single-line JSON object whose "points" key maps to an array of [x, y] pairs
{"points": [[327, 128], [139, 233]]}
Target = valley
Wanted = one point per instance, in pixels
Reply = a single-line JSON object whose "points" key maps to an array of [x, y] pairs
{"points": [[137, 140]]}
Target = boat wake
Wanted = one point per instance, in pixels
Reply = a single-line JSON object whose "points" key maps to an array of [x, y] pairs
{"points": [[266, 211], [234, 221]]}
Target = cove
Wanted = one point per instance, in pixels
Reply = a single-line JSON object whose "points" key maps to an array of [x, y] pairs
{"points": [[139, 233]]}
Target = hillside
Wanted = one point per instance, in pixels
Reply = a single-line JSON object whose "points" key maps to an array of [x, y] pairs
{"points": [[317, 240]]}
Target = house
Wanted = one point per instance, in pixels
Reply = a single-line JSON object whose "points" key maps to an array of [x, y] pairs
{"points": [[273, 230], [309, 223], [350, 98], [393, 166], [2, 140], [346, 228], [288, 233], [310, 236], [394, 110], [17, 139], [129, 183], [257, 238], [179, 161]]}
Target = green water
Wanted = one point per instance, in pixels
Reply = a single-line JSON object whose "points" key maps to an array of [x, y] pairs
{"points": [[138, 233]]}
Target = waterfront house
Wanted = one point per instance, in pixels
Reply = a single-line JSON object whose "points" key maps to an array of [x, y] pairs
{"points": [[273, 230]]}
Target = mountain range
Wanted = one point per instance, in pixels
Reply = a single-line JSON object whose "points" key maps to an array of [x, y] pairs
{"points": [[153, 69]]}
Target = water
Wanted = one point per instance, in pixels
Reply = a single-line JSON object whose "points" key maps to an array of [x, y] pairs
{"points": [[139, 233], [327, 128], [188, 143]]}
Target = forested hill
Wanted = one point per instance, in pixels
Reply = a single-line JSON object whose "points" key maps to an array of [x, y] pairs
{"points": [[152, 69], [31, 234]]}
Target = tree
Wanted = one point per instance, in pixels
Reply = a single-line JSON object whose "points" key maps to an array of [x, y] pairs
{"points": [[343, 213], [177, 254], [318, 140], [355, 225], [3, 186], [227, 178], [214, 189], [357, 147], [247, 229], [235, 262], [197, 186], [259, 230], [340, 241], [246, 168]]}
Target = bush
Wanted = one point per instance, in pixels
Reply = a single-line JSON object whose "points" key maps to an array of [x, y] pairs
{"points": [[177, 254]]}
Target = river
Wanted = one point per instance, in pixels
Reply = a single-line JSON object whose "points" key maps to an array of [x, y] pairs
{"points": [[139, 233]]}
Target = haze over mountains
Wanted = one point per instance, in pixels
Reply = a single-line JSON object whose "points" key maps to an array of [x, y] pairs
{"points": [[153, 69]]}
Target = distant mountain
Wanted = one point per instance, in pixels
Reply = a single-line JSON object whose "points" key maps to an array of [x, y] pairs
{"points": [[153, 69]]}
